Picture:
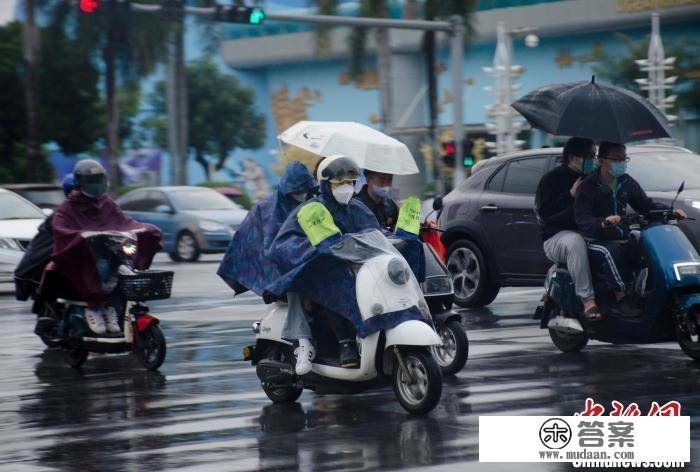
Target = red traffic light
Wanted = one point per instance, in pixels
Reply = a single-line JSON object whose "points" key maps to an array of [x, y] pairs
{"points": [[449, 148], [89, 6]]}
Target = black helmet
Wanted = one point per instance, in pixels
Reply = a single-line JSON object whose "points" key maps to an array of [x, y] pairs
{"points": [[90, 178], [339, 168]]}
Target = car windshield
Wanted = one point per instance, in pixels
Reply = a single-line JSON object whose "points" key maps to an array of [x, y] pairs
{"points": [[664, 172], [13, 207], [200, 199], [48, 198]]}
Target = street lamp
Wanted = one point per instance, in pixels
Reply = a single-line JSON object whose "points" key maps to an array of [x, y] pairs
{"points": [[503, 71], [656, 64]]}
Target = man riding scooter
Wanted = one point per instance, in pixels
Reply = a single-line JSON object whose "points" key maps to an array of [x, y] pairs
{"points": [[376, 195], [87, 211], [600, 208]]}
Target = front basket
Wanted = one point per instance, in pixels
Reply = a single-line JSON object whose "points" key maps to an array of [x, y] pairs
{"points": [[147, 285]]}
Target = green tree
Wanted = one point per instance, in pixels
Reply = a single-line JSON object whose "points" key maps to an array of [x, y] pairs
{"points": [[621, 70], [129, 44], [222, 115]]}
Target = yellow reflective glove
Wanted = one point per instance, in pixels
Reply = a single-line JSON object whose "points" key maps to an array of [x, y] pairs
{"points": [[317, 222], [409, 216]]}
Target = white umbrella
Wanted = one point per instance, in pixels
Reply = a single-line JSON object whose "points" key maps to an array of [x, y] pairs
{"points": [[371, 149]]}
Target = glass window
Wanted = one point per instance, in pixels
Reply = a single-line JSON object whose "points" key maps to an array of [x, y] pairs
{"points": [[154, 200], [523, 175], [200, 199], [496, 182], [664, 172], [14, 207], [134, 201], [49, 198]]}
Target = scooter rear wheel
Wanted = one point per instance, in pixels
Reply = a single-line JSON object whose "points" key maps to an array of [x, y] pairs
{"points": [[453, 354], [75, 356], [151, 347], [281, 394], [568, 342], [423, 393]]}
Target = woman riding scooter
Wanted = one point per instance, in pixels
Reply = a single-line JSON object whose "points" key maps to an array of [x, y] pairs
{"points": [[88, 210]]}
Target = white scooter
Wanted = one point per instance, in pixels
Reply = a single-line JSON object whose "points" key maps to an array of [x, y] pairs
{"points": [[399, 355]]}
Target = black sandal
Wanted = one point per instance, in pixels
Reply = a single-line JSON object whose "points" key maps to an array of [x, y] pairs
{"points": [[593, 314]]}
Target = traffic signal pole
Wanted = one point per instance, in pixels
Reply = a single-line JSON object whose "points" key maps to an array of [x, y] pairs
{"points": [[454, 28]]}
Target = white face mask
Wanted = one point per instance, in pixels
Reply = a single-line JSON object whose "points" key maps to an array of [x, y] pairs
{"points": [[343, 193]]}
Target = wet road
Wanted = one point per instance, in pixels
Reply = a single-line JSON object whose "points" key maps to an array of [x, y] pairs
{"points": [[205, 410]]}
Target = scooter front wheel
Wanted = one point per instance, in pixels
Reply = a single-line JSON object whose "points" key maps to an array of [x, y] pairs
{"points": [[688, 337], [150, 348], [453, 354], [418, 387]]}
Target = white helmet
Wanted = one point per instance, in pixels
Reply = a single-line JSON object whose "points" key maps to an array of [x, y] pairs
{"points": [[325, 162]]}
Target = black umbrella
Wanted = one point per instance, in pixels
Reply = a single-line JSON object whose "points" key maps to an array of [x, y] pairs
{"points": [[594, 111]]}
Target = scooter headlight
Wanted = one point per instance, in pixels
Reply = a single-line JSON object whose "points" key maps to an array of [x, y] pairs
{"points": [[686, 268], [437, 285], [398, 271]]}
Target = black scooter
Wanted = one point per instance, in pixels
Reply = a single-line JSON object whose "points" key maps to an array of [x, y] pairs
{"points": [[438, 292]]}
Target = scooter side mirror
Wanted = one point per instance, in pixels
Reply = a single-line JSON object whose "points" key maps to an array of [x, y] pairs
{"points": [[680, 189], [437, 203]]}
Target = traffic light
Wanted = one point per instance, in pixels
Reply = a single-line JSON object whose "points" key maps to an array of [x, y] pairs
{"points": [[89, 6], [239, 14], [449, 153], [467, 155]]}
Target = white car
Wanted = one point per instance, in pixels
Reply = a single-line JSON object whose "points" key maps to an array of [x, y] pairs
{"points": [[19, 220]]}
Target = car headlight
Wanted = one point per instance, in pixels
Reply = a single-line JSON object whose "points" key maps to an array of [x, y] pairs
{"points": [[208, 225], [9, 243], [398, 272], [435, 285]]}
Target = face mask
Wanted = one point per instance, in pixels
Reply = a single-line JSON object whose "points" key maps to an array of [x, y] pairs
{"points": [[343, 193], [298, 196], [618, 168], [381, 192], [588, 166]]}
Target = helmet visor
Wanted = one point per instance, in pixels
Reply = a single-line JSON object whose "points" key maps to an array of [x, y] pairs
{"points": [[93, 185]]}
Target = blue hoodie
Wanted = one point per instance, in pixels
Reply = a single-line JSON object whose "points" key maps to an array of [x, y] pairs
{"points": [[246, 265]]}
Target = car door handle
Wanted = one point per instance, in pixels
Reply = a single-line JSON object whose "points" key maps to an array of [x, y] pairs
{"points": [[490, 208]]}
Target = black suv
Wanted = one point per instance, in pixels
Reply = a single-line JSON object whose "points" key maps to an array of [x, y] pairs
{"points": [[490, 229]]}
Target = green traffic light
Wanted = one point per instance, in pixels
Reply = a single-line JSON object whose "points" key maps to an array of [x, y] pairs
{"points": [[468, 161], [256, 17]]}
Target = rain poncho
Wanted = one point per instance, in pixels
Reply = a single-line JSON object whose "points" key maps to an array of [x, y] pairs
{"points": [[308, 267], [245, 265], [76, 251]]}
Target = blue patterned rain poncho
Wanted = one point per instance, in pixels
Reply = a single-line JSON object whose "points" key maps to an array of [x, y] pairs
{"points": [[316, 275], [245, 265]]}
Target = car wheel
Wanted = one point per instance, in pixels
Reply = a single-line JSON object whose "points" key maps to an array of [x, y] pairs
{"points": [[186, 248], [470, 275]]}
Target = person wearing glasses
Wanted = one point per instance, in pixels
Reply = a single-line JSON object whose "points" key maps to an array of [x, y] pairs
{"points": [[600, 207]]}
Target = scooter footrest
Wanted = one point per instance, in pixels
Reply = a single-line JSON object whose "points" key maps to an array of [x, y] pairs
{"points": [[270, 371]]}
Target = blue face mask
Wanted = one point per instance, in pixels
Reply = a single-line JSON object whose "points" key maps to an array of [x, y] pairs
{"points": [[588, 166], [381, 192], [618, 168]]}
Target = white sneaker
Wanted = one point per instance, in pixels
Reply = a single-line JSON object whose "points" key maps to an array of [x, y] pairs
{"points": [[305, 353], [95, 321], [112, 320]]}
